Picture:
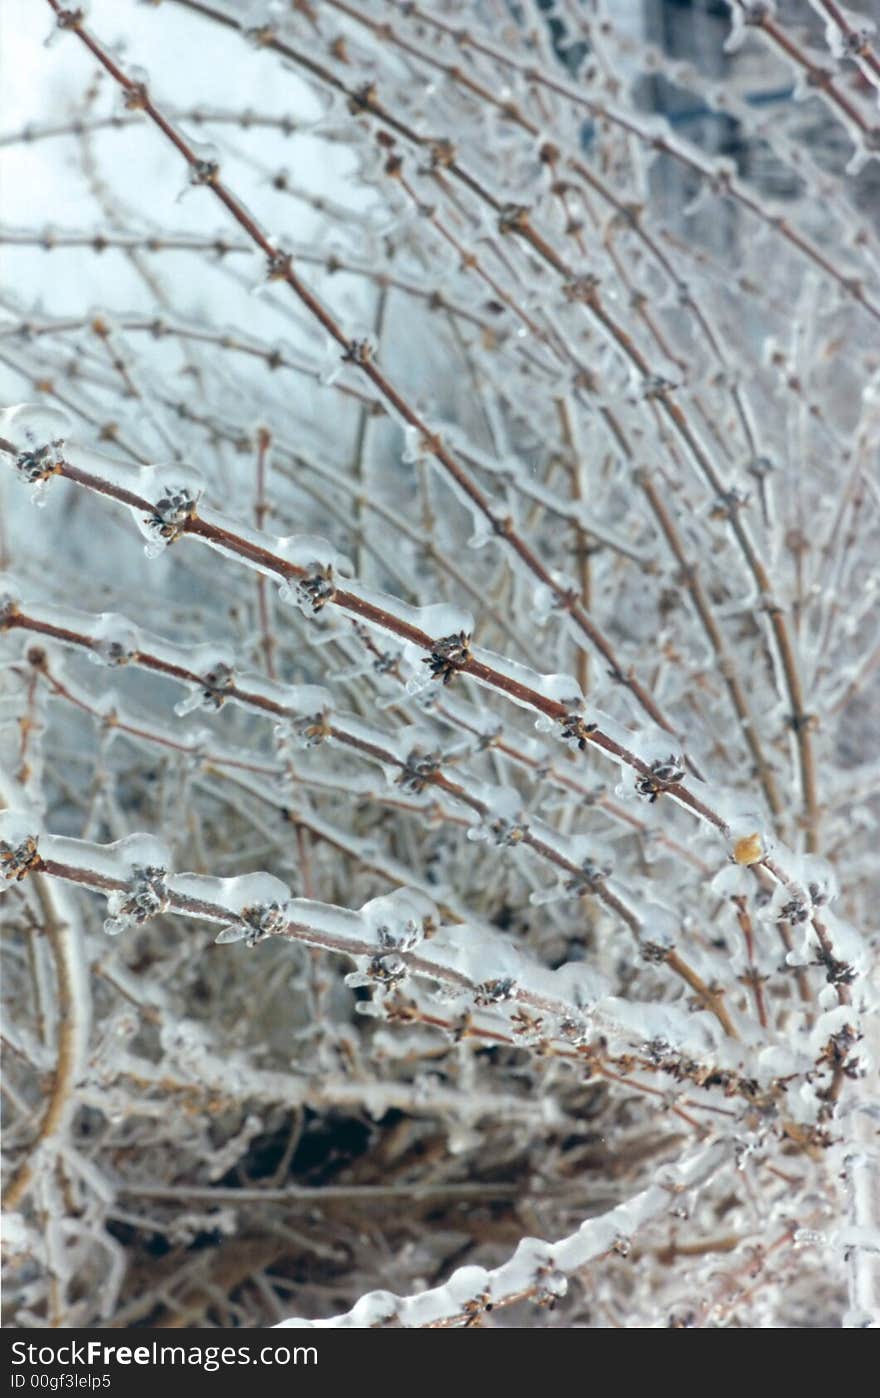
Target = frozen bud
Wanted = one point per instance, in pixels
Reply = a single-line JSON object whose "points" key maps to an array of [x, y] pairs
{"points": [[40, 463], [18, 847], [576, 730], [316, 589], [654, 951], [361, 350], [173, 508], [400, 919], [68, 18], [527, 1027], [213, 667], [550, 1286], [450, 654], [388, 970], [218, 680], [145, 897], [256, 923], [581, 288], [115, 640], [574, 1031], [260, 36], [175, 492], [203, 172], [663, 774], [468, 1290], [312, 729], [9, 607], [725, 505], [748, 849], [495, 992], [508, 832], [855, 43], [513, 218], [418, 769], [39, 434], [755, 12], [656, 386], [416, 446], [204, 167], [591, 878], [136, 93]]}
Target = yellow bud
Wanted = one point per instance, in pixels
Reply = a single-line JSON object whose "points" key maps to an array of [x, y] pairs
{"points": [[748, 849]]}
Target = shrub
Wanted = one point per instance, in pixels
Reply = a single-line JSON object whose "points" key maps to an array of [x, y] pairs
{"points": [[483, 628]]}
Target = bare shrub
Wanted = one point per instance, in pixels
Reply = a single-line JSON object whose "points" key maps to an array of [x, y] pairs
{"points": [[456, 597]]}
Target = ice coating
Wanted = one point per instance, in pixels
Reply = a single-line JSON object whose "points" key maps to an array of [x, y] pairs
{"points": [[473, 1288], [437, 620], [114, 861], [32, 426], [559, 688], [678, 518], [386, 938], [113, 639]]}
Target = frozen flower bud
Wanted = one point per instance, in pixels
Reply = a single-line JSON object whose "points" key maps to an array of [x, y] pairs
{"points": [[204, 167], [748, 849], [256, 923], [39, 433], [495, 992], [115, 640], [174, 492], [19, 855], [314, 591], [218, 679], [550, 1286], [400, 920], [67, 20], [418, 770], [135, 95], [146, 897]]}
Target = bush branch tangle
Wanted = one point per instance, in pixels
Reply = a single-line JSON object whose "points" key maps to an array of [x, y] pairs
{"points": [[438, 797]]}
